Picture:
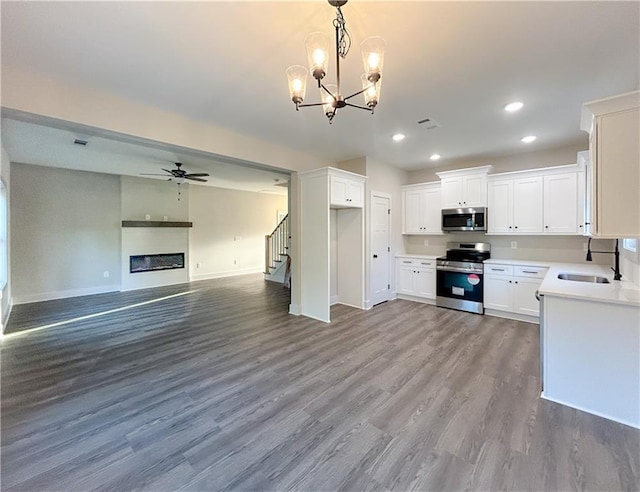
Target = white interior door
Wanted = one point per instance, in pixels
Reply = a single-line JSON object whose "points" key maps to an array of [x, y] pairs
{"points": [[380, 254]]}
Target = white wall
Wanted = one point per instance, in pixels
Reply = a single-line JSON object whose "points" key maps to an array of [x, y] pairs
{"points": [[501, 164], [388, 179], [630, 264], [228, 231], [155, 197], [32, 93], [551, 248], [5, 302], [65, 233]]}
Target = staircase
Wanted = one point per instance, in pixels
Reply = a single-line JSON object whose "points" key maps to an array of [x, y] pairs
{"points": [[276, 251]]}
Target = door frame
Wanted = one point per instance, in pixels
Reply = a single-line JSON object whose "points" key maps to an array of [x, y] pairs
{"points": [[369, 302]]}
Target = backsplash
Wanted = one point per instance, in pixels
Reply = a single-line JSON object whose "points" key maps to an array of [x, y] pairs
{"points": [[551, 248]]}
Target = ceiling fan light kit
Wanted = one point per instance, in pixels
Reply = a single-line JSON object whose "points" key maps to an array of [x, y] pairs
{"points": [[317, 46]]}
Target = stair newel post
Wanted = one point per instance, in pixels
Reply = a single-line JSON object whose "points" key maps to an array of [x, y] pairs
{"points": [[266, 253]]}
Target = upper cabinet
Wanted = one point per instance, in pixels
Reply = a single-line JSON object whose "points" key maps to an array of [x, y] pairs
{"points": [[421, 209], [464, 187], [614, 175], [346, 191], [538, 202]]}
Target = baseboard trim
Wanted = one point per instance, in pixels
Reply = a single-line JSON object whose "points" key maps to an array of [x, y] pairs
{"points": [[423, 300], [5, 316], [63, 294], [514, 316], [635, 425], [294, 309], [232, 273]]}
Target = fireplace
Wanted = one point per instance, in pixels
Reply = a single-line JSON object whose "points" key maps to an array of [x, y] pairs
{"points": [[153, 263]]}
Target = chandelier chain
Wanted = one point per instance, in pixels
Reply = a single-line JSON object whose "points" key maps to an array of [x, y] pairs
{"points": [[344, 38]]}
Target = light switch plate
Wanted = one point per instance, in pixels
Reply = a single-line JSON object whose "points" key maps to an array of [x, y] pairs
{"points": [[514, 244]]}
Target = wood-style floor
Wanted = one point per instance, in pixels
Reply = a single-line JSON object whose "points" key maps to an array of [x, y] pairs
{"points": [[221, 389]]}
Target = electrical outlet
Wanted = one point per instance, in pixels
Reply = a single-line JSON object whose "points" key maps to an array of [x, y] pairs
{"points": [[147, 217], [197, 265], [235, 262], [426, 242], [106, 274], [514, 244]]}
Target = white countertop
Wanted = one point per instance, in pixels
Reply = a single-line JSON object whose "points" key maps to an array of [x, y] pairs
{"points": [[616, 292], [533, 263], [418, 257]]}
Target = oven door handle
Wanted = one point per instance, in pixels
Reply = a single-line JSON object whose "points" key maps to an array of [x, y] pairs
{"points": [[454, 269]]}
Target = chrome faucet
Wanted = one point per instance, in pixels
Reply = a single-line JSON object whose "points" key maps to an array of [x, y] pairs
{"points": [[616, 270]]}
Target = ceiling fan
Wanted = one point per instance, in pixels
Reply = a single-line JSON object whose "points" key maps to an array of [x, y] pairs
{"points": [[179, 175]]}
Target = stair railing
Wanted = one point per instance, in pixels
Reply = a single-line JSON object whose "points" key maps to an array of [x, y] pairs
{"points": [[276, 244]]}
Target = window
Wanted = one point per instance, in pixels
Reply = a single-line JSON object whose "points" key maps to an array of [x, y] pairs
{"points": [[4, 253], [630, 245]]}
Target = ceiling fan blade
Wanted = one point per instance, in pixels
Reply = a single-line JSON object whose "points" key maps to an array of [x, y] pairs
{"points": [[196, 179], [151, 174], [170, 172], [197, 175]]}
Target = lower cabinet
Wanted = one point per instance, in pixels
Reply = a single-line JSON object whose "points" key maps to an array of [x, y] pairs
{"points": [[416, 277], [512, 288]]}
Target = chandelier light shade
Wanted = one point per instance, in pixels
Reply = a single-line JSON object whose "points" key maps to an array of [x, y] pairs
{"points": [[317, 44], [317, 47], [372, 50], [297, 76], [371, 91]]}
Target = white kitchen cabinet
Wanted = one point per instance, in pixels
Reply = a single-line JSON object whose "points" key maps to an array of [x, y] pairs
{"points": [[537, 202], [561, 204], [332, 242], [416, 277], [512, 289], [515, 205], [346, 192], [500, 204], [464, 187], [527, 205], [421, 210], [614, 145]]}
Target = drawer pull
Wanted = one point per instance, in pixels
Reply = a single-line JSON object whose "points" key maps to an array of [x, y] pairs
{"points": [[407, 261], [497, 269], [529, 271]]}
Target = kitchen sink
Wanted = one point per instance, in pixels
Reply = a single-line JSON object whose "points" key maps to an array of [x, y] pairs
{"points": [[575, 277]]}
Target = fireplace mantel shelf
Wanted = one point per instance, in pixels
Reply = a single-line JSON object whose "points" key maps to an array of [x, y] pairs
{"points": [[154, 223]]}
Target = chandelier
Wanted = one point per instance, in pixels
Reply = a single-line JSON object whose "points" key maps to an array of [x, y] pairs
{"points": [[317, 44]]}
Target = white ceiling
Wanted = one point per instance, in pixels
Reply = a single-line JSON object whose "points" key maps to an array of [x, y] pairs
{"points": [[225, 62]]}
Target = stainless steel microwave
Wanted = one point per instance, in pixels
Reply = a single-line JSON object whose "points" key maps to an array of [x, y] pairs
{"points": [[464, 219]]}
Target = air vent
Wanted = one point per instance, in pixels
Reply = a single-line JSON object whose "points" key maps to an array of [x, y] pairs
{"points": [[77, 141], [429, 123]]}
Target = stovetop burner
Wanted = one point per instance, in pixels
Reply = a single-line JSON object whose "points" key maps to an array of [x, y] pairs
{"points": [[469, 252]]}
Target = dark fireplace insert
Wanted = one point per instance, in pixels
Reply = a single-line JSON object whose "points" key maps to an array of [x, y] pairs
{"points": [[153, 263]]}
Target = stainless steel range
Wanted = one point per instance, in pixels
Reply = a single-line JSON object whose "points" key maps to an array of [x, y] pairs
{"points": [[460, 283]]}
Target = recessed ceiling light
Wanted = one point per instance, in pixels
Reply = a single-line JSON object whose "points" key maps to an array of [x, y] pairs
{"points": [[434, 157], [398, 137], [528, 139], [513, 107]]}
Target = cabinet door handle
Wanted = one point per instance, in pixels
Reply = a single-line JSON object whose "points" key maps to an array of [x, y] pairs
{"points": [[516, 227], [375, 256], [406, 261], [529, 271], [509, 281], [516, 281], [509, 227], [546, 227], [580, 225], [497, 269]]}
